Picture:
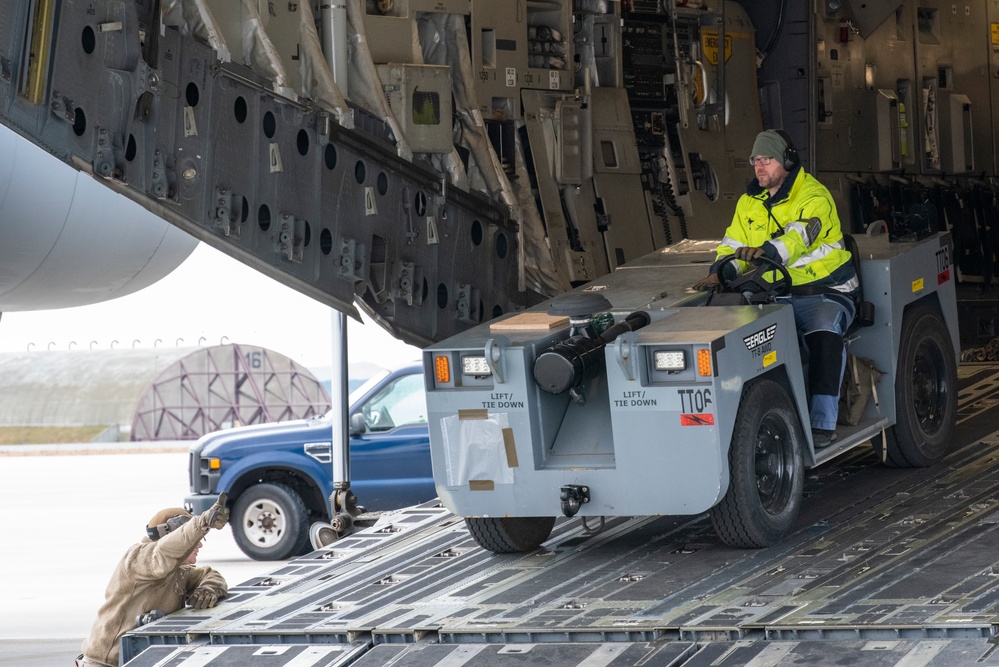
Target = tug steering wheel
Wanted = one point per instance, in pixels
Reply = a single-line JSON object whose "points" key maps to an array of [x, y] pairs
{"points": [[755, 281]]}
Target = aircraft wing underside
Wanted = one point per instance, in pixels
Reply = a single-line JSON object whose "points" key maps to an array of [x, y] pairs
{"points": [[437, 163], [311, 192]]}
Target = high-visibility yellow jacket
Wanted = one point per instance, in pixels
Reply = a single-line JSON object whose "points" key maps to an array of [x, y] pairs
{"points": [[797, 227]]}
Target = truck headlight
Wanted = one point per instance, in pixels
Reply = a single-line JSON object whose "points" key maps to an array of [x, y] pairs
{"points": [[206, 477], [475, 366], [671, 361]]}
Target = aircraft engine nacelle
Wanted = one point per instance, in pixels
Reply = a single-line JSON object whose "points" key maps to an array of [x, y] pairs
{"points": [[69, 241]]}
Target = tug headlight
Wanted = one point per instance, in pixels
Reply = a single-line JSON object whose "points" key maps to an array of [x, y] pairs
{"points": [[475, 366], [671, 361]]}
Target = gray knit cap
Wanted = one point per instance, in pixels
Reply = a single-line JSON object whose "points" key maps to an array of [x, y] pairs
{"points": [[769, 143]]}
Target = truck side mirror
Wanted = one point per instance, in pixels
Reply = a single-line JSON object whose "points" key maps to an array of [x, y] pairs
{"points": [[357, 424]]}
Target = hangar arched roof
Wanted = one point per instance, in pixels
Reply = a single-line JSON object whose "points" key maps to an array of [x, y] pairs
{"points": [[224, 386], [163, 393]]}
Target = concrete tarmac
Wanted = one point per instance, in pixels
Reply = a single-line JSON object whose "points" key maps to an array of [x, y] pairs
{"points": [[68, 519]]}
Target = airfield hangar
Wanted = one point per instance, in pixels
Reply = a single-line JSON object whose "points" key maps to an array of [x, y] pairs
{"points": [[156, 394]]}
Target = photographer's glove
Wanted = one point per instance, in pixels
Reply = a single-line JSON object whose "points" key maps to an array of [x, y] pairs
{"points": [[217, 515], [203, 598]]}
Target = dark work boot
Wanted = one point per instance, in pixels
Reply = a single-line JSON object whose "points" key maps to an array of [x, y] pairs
{"points": [[823, 438]]}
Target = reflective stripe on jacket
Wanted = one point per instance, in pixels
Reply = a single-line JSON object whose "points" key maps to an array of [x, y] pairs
{"points": [[814, 253]]}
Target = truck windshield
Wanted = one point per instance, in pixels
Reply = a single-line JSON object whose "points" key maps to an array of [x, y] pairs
{"points": [[399, 403], [358, 393]]}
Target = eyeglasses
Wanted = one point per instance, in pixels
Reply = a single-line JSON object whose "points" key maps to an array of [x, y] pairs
{"points": [[765, 160]]}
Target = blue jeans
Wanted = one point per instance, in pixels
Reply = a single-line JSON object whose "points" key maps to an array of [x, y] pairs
{"points": [[822, 321]]}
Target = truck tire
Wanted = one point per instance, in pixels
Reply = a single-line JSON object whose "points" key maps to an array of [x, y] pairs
{"points": [[766, 471], [270, 522], [510, 534], [925, 393]]}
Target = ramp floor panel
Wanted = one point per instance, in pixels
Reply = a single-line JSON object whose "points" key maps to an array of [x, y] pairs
{"points": [[904, 559]]}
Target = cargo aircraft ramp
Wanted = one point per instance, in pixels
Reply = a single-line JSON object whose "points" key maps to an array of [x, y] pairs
{"points": [[886, 567]]}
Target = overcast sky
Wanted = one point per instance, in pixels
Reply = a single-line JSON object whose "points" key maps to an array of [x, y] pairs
{"points": [[209, 300]]}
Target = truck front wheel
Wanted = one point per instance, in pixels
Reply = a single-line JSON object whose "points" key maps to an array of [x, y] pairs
{"points": [[270, 522], [925, 393], [510, 534], [766, 472]]}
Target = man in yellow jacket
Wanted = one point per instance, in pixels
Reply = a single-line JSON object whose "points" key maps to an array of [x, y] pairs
{"points": [[789, 217], [157, 576]]}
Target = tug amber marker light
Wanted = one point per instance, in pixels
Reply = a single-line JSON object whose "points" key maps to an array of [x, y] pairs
{"points": [[214, 463], [704, 363], [442, 370]]}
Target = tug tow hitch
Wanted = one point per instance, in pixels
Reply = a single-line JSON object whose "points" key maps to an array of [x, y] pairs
{"points": [[573, 496]]}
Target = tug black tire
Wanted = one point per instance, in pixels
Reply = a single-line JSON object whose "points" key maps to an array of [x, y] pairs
{"points": [[766, 470], [510, 534], [925, 393]]}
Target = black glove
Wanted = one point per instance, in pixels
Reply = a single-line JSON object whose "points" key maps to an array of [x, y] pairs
{"points": [[217, 515], [203, 598]]}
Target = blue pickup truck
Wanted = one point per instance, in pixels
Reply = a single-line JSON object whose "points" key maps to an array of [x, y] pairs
{"points": [[279, 476]]}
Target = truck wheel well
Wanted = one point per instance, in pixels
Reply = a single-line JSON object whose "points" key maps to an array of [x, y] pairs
{"points": [[930, 300], [778, 375], [310, 492]]}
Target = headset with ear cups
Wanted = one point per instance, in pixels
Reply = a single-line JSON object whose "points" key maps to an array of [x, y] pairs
{"points": [[167, 527], [790, 159]]}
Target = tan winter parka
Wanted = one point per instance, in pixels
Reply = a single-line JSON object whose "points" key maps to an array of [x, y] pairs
{"points": [[150, 576]]}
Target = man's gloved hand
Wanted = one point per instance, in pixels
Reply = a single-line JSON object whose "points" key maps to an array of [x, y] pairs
{"points": [[217, 515], [708, 283], [748, 253], [203, 598]]}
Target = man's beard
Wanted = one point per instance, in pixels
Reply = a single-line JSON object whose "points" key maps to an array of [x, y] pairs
{"points": [[767, 182]]}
